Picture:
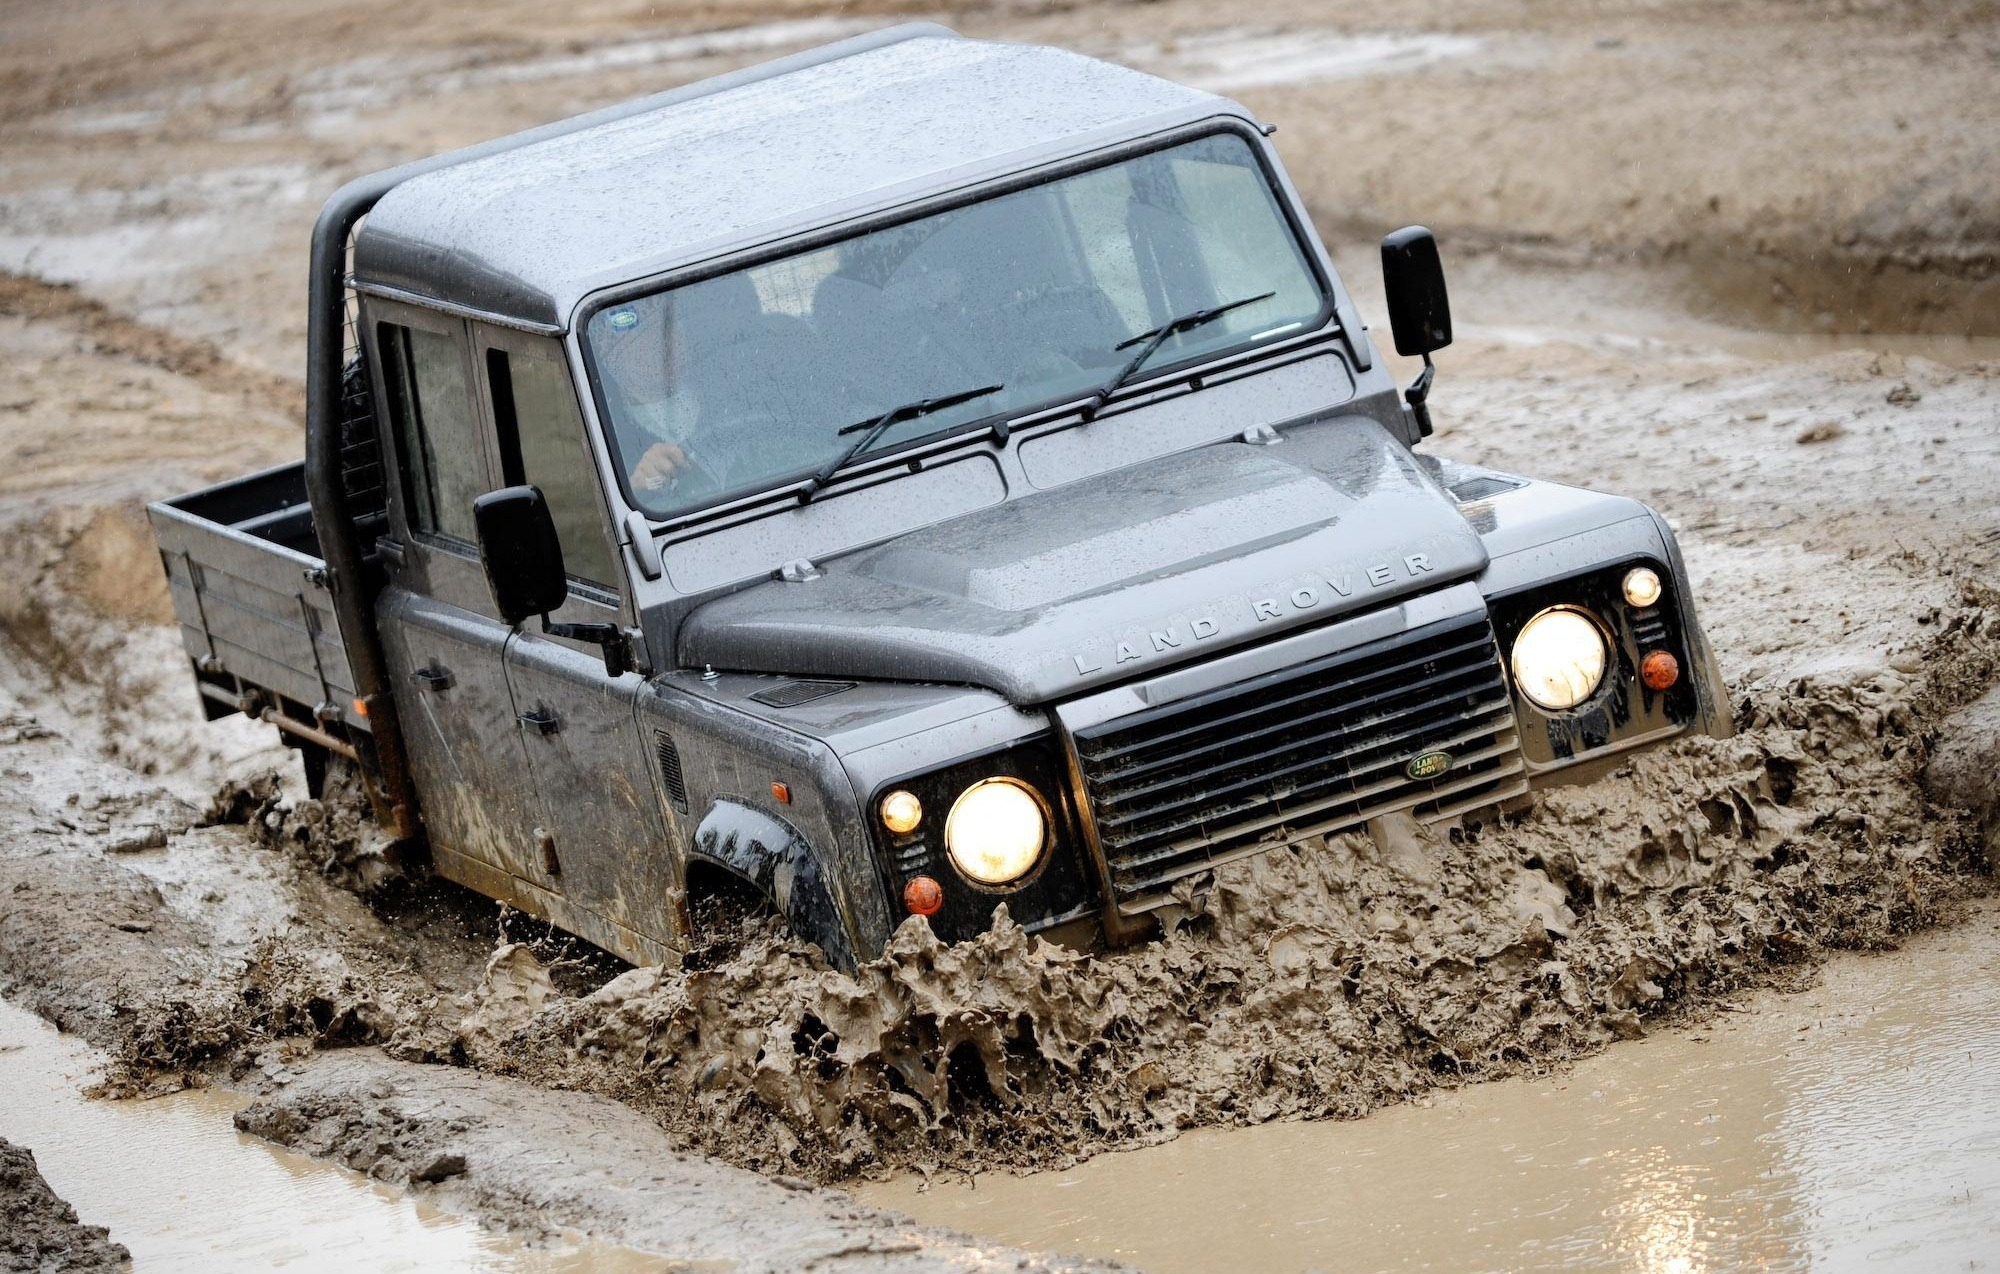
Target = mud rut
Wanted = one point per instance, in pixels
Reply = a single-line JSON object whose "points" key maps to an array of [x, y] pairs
{"points": [[164, 896]]}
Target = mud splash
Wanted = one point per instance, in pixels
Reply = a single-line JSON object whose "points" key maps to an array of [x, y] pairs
{"points": [[1323, 980]]}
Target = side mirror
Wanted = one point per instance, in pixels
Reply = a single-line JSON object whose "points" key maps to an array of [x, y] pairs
{"points": [[520, 551], [522, 555], [1419, 309]]}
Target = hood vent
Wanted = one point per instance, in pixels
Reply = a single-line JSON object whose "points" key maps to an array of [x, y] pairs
{"points": [[670, 770], [794, 693]]}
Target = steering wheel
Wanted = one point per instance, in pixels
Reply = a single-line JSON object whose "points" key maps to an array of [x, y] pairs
{"points": [[720, 469]]}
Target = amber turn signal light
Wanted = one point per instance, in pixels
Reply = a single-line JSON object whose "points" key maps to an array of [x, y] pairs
{"points": [[1659, 670], [923, 896]]}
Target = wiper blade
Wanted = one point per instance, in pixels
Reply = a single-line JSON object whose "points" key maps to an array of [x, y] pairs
{"points": [[874, 427], [1150, 342]]}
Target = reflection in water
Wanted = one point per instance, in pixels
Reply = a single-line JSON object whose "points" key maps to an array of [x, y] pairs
{"points": [[178, 1185], [1854, 1126]]}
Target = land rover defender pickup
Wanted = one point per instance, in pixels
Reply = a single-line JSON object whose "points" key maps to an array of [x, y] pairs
{"points": [[909, 477]]}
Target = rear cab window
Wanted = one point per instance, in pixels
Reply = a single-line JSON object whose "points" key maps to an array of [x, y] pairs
{"points": [[436, 431]]}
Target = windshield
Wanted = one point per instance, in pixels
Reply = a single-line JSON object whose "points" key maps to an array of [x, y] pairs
{"points": [[743, 381]]}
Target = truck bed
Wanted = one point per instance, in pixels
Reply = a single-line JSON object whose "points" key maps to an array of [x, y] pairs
{"points": [[249, 589]]}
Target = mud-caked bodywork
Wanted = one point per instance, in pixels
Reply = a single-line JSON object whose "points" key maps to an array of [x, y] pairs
{"points": [[1157, 616]]}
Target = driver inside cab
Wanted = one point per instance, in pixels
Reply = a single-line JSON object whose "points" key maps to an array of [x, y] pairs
{"points": [[711, 393], [637, 359]]}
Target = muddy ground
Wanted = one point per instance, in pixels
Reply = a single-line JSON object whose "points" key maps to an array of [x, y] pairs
{"points": [[38, 1231], [1736, 260]]}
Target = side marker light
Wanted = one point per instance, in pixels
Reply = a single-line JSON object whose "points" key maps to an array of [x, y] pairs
{"points": [[1659, 670], [923, 896]]}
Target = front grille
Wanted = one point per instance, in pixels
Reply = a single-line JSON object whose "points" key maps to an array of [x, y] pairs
{"points": [[1303, 752]]}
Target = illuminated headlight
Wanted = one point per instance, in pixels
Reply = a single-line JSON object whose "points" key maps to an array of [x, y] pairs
{"points": [[1559, 658], [902, 812], [997, 831], [1642, 586]]}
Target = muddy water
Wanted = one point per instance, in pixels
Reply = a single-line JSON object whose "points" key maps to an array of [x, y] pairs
{"points": [[1855, 1125], [177, 1185]]}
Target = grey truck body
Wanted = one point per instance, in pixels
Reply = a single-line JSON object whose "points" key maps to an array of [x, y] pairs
{"points": [[1220, 547]]}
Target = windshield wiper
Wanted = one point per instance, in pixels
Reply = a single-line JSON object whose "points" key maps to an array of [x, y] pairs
{"points": [[1150, 343], [874, 427]]}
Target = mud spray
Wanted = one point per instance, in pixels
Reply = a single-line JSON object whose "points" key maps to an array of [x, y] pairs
{"points": [[1320, 980]]}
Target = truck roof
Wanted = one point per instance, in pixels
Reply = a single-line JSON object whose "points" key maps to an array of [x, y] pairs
{"points": [[524, 234]]}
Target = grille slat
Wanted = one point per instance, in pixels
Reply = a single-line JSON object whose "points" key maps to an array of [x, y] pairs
{"points": [[1489, 694], [1496, 781], [1285, 817], [1201, 718], [1374, 756], [1177, 789]]}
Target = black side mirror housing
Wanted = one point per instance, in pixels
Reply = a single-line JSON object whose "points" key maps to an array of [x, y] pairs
{"points": [[522, 555], [1419, 309], [519, 549]]}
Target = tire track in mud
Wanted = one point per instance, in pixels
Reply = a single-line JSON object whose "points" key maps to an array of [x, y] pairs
{"points": [[40, 301]]}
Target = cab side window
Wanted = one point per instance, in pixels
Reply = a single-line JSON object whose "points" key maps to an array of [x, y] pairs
{"points": [[432, 405], [541, 442]]}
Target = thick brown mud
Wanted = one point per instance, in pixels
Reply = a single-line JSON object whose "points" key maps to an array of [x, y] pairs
{"points": [[1848, 1125], [38, 1231], [488, 1148], [187, 1194]]}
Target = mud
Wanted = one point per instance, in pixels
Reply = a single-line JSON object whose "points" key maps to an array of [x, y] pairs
{"points": [[533, 1161], [1848, 1125], [39, 1233], [1626, 255], [1326, 979]]}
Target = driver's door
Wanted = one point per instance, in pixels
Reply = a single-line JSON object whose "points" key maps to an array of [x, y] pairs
{"points": [[602, 830]]}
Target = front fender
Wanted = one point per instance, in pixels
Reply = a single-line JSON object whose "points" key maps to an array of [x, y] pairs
{"points": [[773, 856], [1716, 717]]}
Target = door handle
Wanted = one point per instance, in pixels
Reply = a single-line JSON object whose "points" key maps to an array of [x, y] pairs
{"points": [[541, 720], [435, 676]]}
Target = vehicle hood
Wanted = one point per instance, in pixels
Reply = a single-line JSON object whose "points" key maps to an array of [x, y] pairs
{"points": [[1119, 573]]}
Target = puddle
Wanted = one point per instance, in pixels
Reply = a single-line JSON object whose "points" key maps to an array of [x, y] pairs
{"points": [[179, 1186], [1854, 1126], [1230, 61]]}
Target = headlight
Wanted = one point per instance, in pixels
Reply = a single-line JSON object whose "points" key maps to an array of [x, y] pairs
{"points": [[1642, 586], [902, 812], [997, 831], [1559, 658]]}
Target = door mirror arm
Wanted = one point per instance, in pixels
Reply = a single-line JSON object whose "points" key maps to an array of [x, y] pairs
{"points": [[608, 637], [1419, 390], [1419, 309]]}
